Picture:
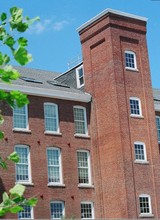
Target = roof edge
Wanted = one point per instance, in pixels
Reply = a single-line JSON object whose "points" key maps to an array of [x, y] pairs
{"points": [[108, 10]]}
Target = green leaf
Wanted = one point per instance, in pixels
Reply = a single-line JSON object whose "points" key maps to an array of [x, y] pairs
{"points": [[13, 157], [31, 21], [17, 190], [21, 56], [16, 209], [3, 16], [32, 202], [8, 73], [5, 197], [1, 119], [10, 41], [17, 98], [1, 134], [3, 95], [22, 41], [22, 26], [2, 211]]}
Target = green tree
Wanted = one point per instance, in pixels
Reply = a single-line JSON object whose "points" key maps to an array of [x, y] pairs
{"points": [[10, 27]]}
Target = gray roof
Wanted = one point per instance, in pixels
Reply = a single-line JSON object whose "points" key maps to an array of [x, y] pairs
{"points": [[42, 79]]}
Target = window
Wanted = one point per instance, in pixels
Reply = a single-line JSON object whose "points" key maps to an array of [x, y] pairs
{"points": [[158, 127], [135, 106], [80, 77], [87, 211], [54, 166], [57, 210], [27, 213], [51, 117], [130, 60], [140, 151], [23, 173], [145, 204], [84, 173], [20, 117], [80, 120]]}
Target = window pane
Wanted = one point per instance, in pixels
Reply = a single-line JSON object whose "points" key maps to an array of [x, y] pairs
{"points": [[57, 210], [83, 167], [144, 205], [51, 117], [20, 117], [53, 158], [130, 60], [139, 152], [22, 167], [86, 211], [158, 127], [134, 107], [80, 121], [26, 213]]}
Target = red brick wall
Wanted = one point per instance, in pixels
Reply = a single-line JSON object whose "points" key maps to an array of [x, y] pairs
{"points": [[70, 194], [119, 181]]}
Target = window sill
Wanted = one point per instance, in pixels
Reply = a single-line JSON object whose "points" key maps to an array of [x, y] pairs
{"points": [[21, 130], [82, 136], [52, 133], [141, 162], [146, 215], [132, 69], [25, 183], [85, 186], [137, 116], [56, 185]]}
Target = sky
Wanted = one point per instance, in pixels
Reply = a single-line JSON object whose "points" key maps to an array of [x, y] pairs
{"points": [[54, 41]]}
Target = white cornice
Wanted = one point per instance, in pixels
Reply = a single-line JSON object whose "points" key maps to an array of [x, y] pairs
{"points": [[106, 11], [57, 94]]}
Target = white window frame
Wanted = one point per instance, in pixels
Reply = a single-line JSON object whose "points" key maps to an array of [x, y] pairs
{"points": [[144, 151], [135, 60], [29, 181], [57, 118], [60, 167], [32, 215], [158, 136], [89, 168], [79, 85], [63, 208], [85, 120], [92, 207], [26, 117], [140, 107], [149, 202]]}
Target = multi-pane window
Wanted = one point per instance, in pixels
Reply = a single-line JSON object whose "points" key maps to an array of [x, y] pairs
{"points": [[145, 204], [51, 117], [57, 210], [20, 117], [80, 120], [27, 212], [87, 211], [84, 175], [130, 60], [140, 151], [23, 173], [158, 127], [54, 165], [80, 76], [135, 106]]}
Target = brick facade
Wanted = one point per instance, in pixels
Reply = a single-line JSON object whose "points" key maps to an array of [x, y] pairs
{"points": [[117, 180]]}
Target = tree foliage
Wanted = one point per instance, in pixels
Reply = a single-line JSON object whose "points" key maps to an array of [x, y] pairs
{"points": [[11, 26]]}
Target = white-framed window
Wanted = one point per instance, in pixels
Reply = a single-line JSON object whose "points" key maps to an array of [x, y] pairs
{"points": [[80, 76], [23, 167], [145, 204], [27, 212], [20, 117], [84, 167], [57, 210], [80, 120], [140, 151], [158, 127], [54, 165], [135, 106], [87, 210], [51, 117], [130, 60]]}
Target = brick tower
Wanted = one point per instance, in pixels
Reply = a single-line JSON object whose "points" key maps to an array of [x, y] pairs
{"points": [[123, 132]]}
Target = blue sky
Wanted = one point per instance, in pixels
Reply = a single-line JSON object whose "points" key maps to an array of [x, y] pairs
{"points": [[54, 41]]}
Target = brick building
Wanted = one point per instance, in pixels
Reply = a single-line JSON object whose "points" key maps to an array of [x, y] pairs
{"points": [[87, 141]]}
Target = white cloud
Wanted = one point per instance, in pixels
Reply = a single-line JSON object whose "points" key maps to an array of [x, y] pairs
{"points": [[47, 25]]}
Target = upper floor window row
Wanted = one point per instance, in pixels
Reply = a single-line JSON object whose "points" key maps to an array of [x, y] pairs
{"points": [[130, 60], [51, 119], [80, 76]]}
